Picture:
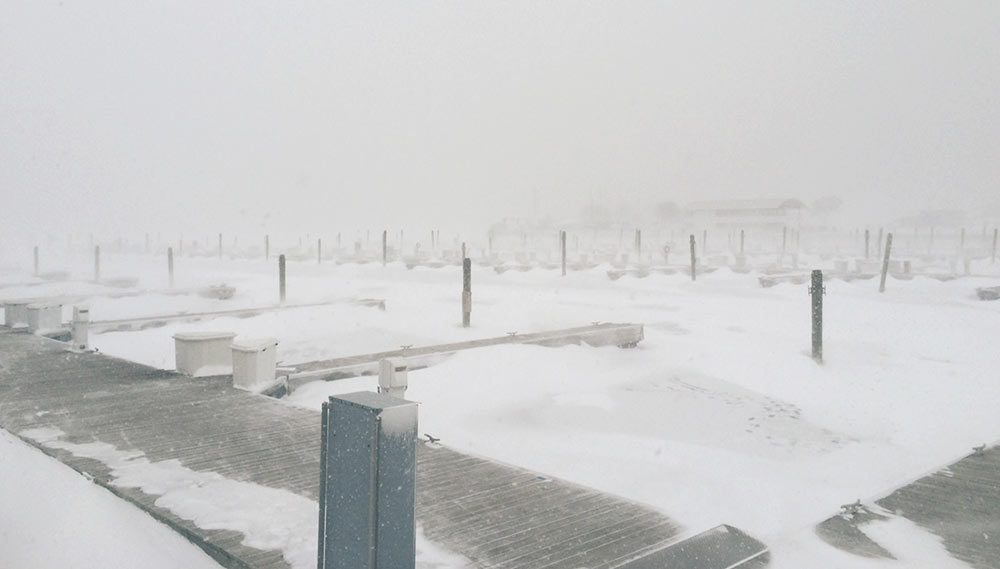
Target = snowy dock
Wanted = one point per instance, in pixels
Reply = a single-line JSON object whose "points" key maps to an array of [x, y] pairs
{"points": [[596, 335], [494, 514], [959, 503]]}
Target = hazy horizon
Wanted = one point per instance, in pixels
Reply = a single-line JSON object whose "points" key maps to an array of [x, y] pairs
{"points": [[256, 117]]}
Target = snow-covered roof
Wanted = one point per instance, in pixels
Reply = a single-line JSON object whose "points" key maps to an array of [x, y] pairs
{"points": [[759, 204]]}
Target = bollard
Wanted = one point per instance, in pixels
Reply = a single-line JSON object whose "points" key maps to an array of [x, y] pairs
{"points": [[36, 260], [281, 277], [817, 290], [170, 267], [97, 263], [367, 482], [693, 259], [81, 323], [385, 247], [392, 377], [466, 292], [562, 249], [885, 262]]}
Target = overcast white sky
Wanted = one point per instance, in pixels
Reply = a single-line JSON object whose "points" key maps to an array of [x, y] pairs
{"points": [[319, 116]]}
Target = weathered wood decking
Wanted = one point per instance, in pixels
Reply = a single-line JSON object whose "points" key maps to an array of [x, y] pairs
{"points": [[496, 515], [960, 504]]}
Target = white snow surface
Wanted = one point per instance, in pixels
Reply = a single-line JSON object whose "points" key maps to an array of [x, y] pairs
{"points": [[719, 416]]}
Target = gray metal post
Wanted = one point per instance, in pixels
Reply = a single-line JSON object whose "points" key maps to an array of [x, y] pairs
{"points": [[742, 239], [170, 266], [638, 245], [97, 262], [693, 259], [367, 483], [267, 247], [817, 290], [319, 251], [385, 247], [281, 277], [36, 260], [868, 238], [466, 292], [220, 245], [562, 250], [885, 262]]}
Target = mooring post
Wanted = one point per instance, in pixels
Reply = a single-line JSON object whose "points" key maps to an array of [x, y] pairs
{"points": [[693, 258], [170, 267], [281, 278], [385, 247], [562, 250], [319, 251], [817, 290], [367, 482], [885, 262], [994, 246], [36, 260], [867, 244], [97, 262], [267, 247], [466, 292]]}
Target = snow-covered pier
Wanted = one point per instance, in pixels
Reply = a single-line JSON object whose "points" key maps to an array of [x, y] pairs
{"points": [[198, 454]]}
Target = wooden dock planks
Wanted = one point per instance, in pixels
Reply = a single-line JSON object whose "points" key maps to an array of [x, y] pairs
{"points": [[498, 516]]}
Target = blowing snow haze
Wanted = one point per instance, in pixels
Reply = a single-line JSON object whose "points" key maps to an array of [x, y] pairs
{"points": [[250, 117]]}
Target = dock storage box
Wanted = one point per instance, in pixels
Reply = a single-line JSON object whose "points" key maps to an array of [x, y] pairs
{"points": [[202, 354], [44, 316], [254, 364], [15, 314]]}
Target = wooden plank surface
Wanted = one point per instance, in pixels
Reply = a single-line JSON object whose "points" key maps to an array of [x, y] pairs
{"points": [[499, 516], [959, 503]]}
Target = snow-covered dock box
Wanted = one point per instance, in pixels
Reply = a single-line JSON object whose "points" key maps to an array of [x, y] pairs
{"points": [[204, 353]]}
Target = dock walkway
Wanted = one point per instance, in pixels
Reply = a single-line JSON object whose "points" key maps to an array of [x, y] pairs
{"points": [[496, 515]]}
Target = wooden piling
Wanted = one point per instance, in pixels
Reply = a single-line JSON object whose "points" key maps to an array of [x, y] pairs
{"points": [[885, 262], [170, 267], [562, 249], [816, 290], [466, 292], [281, 278], [694, 260]]}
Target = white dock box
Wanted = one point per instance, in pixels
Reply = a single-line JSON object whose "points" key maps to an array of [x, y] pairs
{"points": [[44, 316], [203, 353], [254, 364], [15, 314]]}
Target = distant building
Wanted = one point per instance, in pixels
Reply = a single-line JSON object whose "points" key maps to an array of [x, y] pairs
{"points": [[745, 214]]}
